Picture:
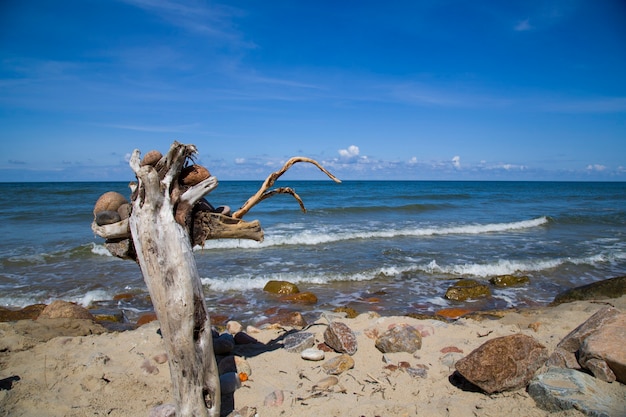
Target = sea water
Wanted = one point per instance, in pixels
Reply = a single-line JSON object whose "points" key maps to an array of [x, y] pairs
{"points": [[390, 246]]}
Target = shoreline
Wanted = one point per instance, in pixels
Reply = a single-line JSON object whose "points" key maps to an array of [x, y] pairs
{"points": [[119, 374]]}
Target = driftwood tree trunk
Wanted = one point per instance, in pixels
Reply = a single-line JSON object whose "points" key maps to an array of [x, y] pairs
{"points": [[168, 217], [165, 255]]}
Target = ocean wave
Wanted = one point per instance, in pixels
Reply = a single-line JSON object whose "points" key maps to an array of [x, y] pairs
{"points": [[317, 237]]}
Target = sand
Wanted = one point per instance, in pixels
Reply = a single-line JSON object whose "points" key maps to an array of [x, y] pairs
{"points": [[119, 374]]}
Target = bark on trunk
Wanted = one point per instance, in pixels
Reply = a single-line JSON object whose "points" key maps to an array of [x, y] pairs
{"points": [[165, 255]]}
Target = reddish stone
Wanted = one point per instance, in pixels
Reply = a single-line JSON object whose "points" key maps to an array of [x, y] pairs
{"points": [[453, 313], [324, 347], [341, 338], [449, 349], [146, 318], [123, 296], [151, 158], [284, 318], [193, 175], [504, 363]]}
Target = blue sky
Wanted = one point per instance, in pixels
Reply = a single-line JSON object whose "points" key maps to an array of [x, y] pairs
{"points": [[456, 90]]}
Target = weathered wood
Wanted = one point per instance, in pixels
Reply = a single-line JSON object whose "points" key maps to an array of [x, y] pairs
{"points": [[165, 255], [263, 192]]}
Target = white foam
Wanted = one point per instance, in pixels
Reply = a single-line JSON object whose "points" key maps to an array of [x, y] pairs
{"points": [[100, 250], [91, 296], [324, 236]]}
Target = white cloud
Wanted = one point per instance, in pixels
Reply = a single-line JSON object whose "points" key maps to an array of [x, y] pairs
{"points": [[240, 161], [456, 162], [351, 153], [596, 167], [523, 26]]}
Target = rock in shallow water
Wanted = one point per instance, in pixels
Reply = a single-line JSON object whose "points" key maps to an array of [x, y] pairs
{"points": [[504, 363], [467, 289]]}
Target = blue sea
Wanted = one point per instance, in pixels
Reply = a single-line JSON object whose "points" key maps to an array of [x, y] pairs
{"points": [[389, 246]]}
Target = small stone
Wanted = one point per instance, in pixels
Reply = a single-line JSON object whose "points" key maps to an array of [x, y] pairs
{"points": [[110, 200], [151, 158], [160, 358], [417, 372], [163, 410], [504, 363], [233, 327], [124, 210], [341, 338], [146, 318], [453, 313], [509, 280], [560, 389], [312, 354], [350, 312], [325, 383], [193, 175], [299, 298], [107, 217], [274, 399], [63, 309], [281, 287], [400, 338], [467, 289], [297, 342], [338, 365]]}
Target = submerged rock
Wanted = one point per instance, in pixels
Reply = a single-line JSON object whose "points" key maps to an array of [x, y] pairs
{"points": [[504, 363], [281, 287], [509, 280], [609, 288], [467, 289]]}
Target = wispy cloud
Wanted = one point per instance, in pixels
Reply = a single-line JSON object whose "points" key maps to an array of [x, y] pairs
{"points": [[523, 26]]}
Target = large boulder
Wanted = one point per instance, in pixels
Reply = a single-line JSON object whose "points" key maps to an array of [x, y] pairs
{"points": [[608, 288], [504, 363], [604, 352], [565, 354], [109, 201]]}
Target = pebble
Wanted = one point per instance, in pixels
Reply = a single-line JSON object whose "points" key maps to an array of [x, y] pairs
{"points": [[297, 342], [338, 365], [312, 354], [325, 383], [234, 327], [274, 399]]}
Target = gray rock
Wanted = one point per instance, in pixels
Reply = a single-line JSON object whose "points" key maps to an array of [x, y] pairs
{"points": [[341, 338], [107, 217], [297, 342], [564, 389], [608, 288], [504, 363]]}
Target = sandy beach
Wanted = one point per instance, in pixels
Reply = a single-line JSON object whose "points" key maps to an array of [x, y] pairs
{"points": [[124, 373]]}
